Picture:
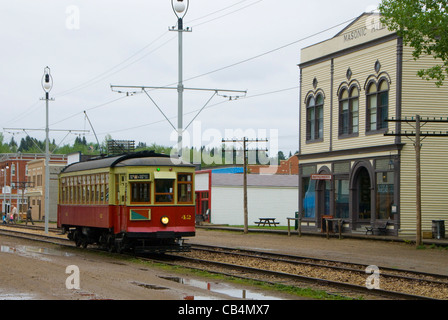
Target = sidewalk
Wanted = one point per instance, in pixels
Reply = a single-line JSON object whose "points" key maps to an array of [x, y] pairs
{"points": [[294, 233]]}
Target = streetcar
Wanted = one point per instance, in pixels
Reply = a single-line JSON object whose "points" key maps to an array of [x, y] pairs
{"points": [[140, 201]]}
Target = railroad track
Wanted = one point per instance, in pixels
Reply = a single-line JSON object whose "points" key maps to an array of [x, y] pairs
{"points": [[344, 279], [333, 276]]}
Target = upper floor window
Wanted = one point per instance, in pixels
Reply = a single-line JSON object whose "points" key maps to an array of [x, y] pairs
{"points": [[377, 105], [315, 118], [349, 111]]}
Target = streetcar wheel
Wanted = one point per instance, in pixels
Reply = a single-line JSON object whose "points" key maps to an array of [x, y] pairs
{"points": [[110, 244], [77, 238]]}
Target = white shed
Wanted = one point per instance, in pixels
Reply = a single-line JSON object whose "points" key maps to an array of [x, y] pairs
{"points": [[268, 196]]}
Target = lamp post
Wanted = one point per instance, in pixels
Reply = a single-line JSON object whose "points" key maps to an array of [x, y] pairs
{"points": [[180, 8], [47, 85]]}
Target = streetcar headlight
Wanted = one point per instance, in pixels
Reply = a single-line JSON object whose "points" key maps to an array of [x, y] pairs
{"points": [[165, 220]]}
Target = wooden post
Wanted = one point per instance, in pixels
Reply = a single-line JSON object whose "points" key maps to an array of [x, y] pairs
{"points": [[418, 183], [340, 228]]}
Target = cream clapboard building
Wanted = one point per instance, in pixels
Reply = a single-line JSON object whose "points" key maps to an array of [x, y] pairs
{"points": [[350, 84]]}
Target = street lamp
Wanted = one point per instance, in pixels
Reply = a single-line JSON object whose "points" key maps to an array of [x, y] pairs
{"points": [[180, 8], [47, 85]]}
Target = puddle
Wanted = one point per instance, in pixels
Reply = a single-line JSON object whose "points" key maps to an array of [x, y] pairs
{"points": [[34, 252], [222, 288], [15, 296], [149, 286]]}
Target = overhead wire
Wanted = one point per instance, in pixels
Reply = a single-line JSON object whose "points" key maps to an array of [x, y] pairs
{"points": [[270, 51], [108, 73], [207, 73], [207, 107]]}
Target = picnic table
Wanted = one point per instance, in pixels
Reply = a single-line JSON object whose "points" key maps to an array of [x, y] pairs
{"points": [[269, 221]]}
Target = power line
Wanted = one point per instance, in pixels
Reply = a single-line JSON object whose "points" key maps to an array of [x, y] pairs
{"points": [[227, 14], [270, 51], [89, 109], [106, 74]]}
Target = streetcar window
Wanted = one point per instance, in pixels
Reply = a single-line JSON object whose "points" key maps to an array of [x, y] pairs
{"points": [[164, 190], [140, 192], [185, 188]]}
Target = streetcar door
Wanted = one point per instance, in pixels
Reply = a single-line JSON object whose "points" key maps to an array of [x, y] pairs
{"points": [[120, 200]]}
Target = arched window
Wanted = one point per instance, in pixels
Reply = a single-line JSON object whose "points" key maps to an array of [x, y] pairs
{"points": [[377, 105], [315, 118], [349, 111]]}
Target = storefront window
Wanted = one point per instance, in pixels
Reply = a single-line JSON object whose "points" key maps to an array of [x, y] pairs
{"points": [[341, 198], [384, 194], [309, 196]]}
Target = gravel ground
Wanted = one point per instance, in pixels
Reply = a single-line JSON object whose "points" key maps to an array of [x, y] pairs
{"points": [[369, 252], [28, 271]]}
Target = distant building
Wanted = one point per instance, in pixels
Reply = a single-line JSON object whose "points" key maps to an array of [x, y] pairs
{"points": [[269, 196], [288, 166], [36, 192], [16, 181], [350, 85]]}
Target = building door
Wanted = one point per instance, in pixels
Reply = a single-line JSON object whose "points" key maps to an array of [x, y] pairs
{"points": [[363, 195], [202, 206], [323, 201]]}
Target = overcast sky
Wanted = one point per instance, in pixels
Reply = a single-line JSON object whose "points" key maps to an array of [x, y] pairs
{"points": [[91, 44]]}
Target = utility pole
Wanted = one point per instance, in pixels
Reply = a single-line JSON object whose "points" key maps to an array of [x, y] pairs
{"points": [[418, 136], [245, 141], [47, 85], [180, 8], [418, 181]]}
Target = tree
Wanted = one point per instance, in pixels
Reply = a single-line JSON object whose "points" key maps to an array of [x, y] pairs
{"points": [[423, 24]]}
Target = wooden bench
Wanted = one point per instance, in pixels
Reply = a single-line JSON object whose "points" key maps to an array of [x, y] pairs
{"points": [[270, 221], [381, 226]]}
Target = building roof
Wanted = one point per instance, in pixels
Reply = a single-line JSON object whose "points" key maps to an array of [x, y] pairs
{"points": [[228, 170], [255, 180]]}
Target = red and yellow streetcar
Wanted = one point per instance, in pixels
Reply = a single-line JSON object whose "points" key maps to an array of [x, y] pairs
{"points": [[142, 201]]}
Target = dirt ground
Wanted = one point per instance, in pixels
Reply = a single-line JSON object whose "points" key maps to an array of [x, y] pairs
{"points": [[38, 271], [35, 271]]}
